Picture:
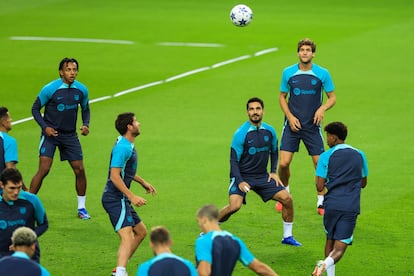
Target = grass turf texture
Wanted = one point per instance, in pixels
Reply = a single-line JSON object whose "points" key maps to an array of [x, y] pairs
{"points": [[187, 124]]}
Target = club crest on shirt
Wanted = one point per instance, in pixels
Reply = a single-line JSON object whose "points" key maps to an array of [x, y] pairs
{"points": [[23, 210]]}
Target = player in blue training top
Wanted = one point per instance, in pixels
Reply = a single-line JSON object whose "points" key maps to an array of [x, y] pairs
{"points": [[24, 242], [253, 143], [165, 262], [18, 208], [301, 97], [343, 171], [61, 99], [8, 145], [217, 251], [117, 198]]}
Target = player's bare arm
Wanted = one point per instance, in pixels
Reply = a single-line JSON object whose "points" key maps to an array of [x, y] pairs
{"points": [[320, 113], [147, 186], [120, 185]]}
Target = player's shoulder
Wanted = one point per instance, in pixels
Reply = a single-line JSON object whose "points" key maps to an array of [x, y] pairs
{"points": [[243, 128], [79, 85], [53, 85], [268, 127], [7, 137], [29, 197], [291, 68], [319, 69], [123, 143]]}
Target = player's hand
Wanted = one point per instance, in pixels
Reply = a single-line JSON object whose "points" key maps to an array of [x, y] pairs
{"points": [[276, 179], [84, 130], [319, 115], [149, 189], [137, 200], [51, 132], [294, 124], [244, 187]]}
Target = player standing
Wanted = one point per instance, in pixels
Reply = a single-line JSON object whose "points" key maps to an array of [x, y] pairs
{"points": [[8, 145], [61, 99], [301, 95]]}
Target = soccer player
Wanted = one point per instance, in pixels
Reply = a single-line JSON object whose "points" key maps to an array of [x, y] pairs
{"points": [[18, 208], [301, 97], [117, 198], [61, 99], [343, 171], [217, 251], [252, 145], [165, 262], [24, 242], [8, 145]]}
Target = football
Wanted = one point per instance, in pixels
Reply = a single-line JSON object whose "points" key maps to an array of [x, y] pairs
{"points": [[241, 15]]}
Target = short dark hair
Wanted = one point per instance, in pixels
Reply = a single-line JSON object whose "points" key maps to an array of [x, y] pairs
{"points": [[160, 235], [3, 112], [254, 100], [11, 174], [122, 122], [67, 60], [337, 128], [308, 42]]}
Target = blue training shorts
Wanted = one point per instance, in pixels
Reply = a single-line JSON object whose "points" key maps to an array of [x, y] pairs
{"points": [[260, 185], [340, 225], [311, 137], [69, 146], [121, 213]]}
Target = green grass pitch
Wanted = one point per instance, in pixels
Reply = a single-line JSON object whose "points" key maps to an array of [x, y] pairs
{"points": [[188, 122]]}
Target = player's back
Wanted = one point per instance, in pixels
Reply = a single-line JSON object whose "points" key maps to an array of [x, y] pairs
{"points": [[169, 267], [225, 253]]}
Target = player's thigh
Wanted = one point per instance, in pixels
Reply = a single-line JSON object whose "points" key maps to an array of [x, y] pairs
{"points": [[120, 212], [339, 225], [290, 140], [47, 146], [313, 141], [70, 148], [266, 189]]}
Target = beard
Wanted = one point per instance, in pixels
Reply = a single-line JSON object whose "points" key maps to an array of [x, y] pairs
{"points": [[256, 118]]}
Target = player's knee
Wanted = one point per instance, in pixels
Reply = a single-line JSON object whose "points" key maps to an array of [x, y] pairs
{"points": [[285, 198], [140, 235], [79, 171]]}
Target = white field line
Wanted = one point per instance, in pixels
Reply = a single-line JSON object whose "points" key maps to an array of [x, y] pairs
{"points": [[230, 61], [179, 76], [192, 72], [138, 88], [104, 98], [266, 51], [67, 39]]}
